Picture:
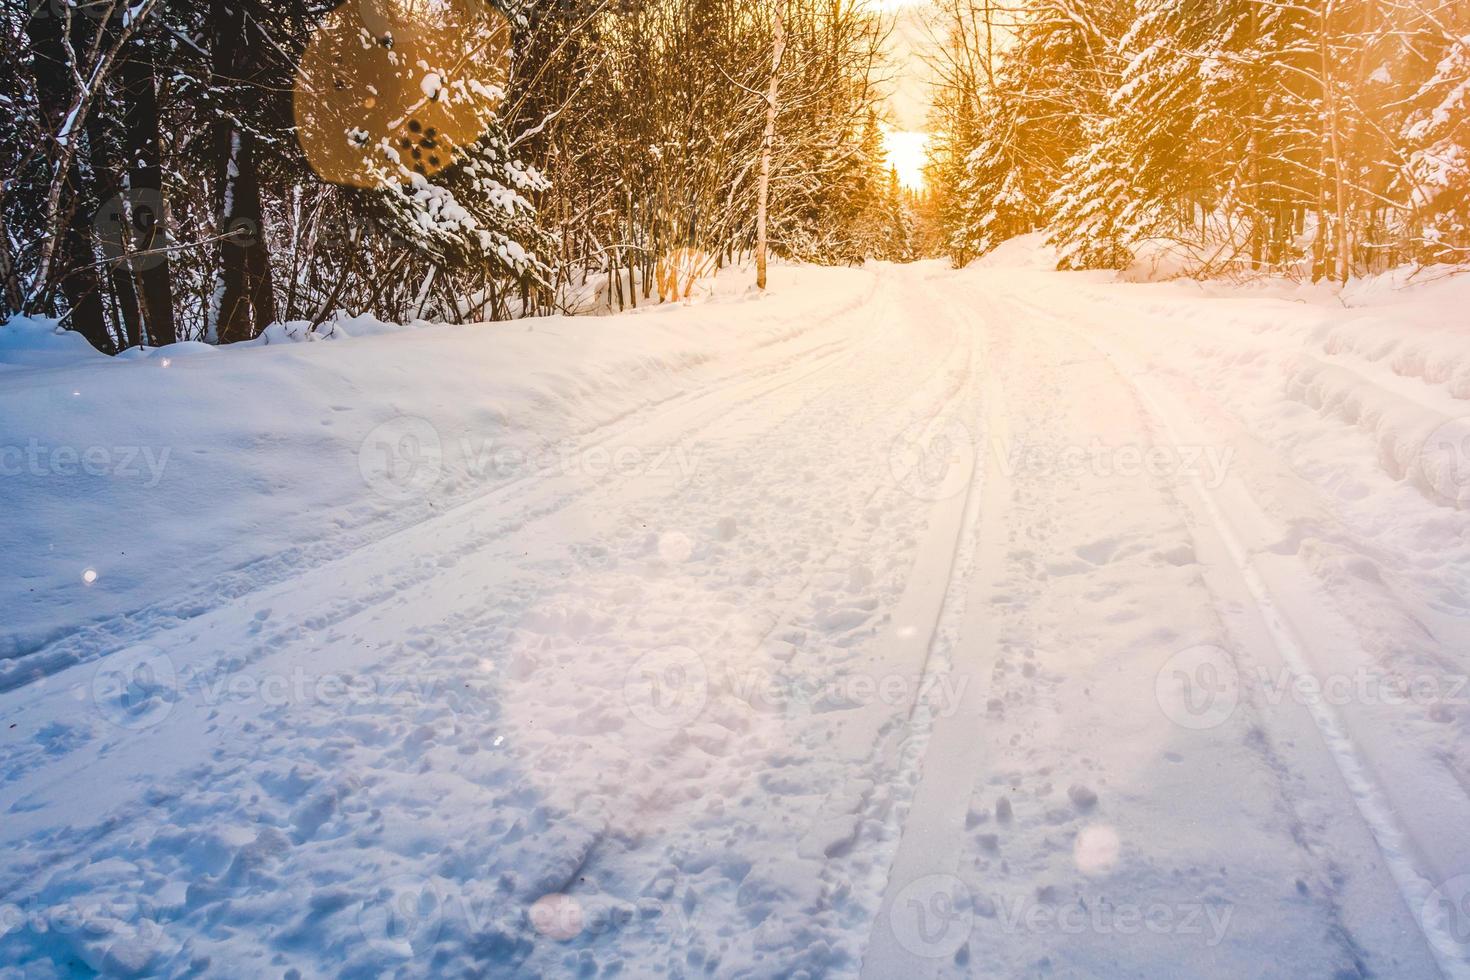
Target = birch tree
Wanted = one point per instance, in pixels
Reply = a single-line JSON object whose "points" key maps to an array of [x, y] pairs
{"points": [[768, 142]]}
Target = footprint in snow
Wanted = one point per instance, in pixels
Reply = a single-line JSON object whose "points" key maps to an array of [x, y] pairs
{"points": [[1082, 797], [1099, 552]]}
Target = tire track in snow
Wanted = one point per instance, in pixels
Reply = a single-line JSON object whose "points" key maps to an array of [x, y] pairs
{"points": [[808, 414], [921, 876], [1396, 844], [876, 737], [920, 381], [268, 575], [453, 536]]}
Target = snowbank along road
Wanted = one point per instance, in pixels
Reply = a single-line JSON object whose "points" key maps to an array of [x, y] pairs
{"points": [[906, 623]]}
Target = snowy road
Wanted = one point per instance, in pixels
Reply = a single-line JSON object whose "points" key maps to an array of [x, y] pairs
{"points": [[993, 623]]}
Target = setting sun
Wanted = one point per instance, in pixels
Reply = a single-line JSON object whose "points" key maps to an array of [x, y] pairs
{"points": [[907, 153]]}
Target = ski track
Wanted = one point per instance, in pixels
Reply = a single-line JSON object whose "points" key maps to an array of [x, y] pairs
{"points": [[238, 584], [875, 689], [498, 506], [1349, 875], [1449, 805]]}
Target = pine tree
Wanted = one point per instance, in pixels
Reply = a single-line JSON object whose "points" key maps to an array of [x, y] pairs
{"points": [[900, 245], [1437, 133], [1326, 137]]}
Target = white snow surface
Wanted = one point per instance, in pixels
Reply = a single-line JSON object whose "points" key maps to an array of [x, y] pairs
{"points": [[903, 622]]}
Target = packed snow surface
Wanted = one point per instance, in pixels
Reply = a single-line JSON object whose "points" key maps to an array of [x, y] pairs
{"points": [[903, 622]]}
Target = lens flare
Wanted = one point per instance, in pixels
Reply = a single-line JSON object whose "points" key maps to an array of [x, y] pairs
{"points": [[392, 88]]}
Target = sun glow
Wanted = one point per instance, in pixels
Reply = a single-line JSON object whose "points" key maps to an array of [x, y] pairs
{"points": [[907, 153]]}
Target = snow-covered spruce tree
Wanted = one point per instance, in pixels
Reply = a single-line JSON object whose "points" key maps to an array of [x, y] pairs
{"points": [[829, 175], [1165, 155], [413, 120], [1032, 115], [837, 220], [1275, 155], [857, 214], [952, 122], [1325, 136], [998, 197], [1097, 212], [477, 215], [1437, 134], [900, 238]]}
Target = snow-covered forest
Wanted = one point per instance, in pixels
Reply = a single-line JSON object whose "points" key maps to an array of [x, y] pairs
{"points": [[182, 171], [1323, 138], [199, 171]]}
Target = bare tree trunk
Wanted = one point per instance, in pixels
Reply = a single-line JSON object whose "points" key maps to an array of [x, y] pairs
{"points": [[630, 256], [1334, 138], [109, 184], [778, 54], [145, 186], [244, 291]]}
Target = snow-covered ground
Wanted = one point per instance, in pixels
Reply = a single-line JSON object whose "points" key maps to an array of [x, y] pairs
{"points": [[904, 622]]}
